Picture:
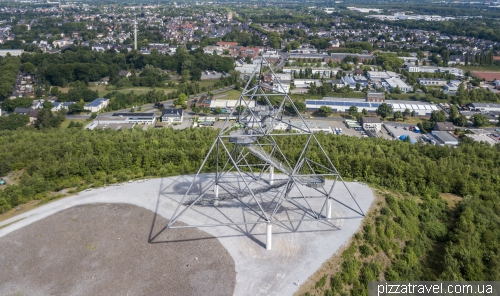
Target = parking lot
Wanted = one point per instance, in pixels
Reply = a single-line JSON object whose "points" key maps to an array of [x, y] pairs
{"points": [[398, 131], [210, 75]]}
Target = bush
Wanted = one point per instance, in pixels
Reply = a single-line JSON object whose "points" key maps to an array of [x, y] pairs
{"points": [[321, 282], [365, 250]]}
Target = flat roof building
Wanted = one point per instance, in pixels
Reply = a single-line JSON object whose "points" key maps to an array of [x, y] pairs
{"points": [[484, 107], [142, 118], [343, 105], [393, 83], [445, 138], [12, 52], [97, 105]]}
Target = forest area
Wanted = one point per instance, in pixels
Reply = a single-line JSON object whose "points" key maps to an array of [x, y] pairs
{"points": [[398, 241], [80, 64]]}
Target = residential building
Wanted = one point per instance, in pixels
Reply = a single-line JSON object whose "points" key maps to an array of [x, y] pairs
{"points": [[23, 111], [124, 73], [172, 115], [33, 114]]}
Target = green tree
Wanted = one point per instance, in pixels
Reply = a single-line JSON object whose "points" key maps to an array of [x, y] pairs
{"points": [[353, 111], [13, 121], [325, 111], [364, 112], [438, 116], [398, 115], [479, 120], [28, 68], [196, 109], [461, 120], [301, 106], [453, 112], [217, 110], [384, 110]]}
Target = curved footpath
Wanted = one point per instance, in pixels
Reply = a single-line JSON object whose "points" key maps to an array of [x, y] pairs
{"points": [[299, 248]]}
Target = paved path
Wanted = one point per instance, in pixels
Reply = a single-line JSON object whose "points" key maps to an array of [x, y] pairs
{"points": [[299, 248]]}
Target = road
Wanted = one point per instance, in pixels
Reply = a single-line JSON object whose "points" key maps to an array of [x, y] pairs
{"points": [[284, 56]]}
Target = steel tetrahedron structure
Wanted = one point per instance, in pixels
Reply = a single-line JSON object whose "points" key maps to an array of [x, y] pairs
{"points": [[251, 170]]}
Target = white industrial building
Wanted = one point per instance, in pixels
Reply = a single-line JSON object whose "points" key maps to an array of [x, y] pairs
{"points": [[97, 105], [444, 138], [248, 68], [122, 120], [299, 126], [432, 81], [379, 75], [392, 83], [306, 83], [129, 118], [12, 52], [325, 72], [343, 105], [484, 107], [228, 105], [430, 69]]}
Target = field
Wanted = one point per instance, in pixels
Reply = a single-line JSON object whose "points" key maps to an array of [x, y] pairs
{"points": [[229, 95], [137, 90], [488, 76], [207, 83]]}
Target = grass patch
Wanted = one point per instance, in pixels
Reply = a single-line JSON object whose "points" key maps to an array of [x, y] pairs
{"points": [[67, 121], [229, 95], [21, 209], [207, 83]]}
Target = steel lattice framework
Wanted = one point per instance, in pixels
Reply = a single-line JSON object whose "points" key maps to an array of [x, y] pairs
{"points": [[249, 162]]}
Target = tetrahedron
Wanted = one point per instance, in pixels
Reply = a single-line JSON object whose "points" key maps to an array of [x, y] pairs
{"points": [[252, 169]]}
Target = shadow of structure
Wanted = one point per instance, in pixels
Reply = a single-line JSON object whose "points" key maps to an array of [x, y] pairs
{"points": [[170, 193]]}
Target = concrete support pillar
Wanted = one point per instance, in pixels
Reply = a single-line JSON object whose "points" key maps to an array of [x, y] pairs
{"points": [[271, 175], [329, 208], [216, 191], [269, 233]]}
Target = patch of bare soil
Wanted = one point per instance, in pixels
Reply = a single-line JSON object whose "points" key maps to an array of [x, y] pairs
{"points": [[104, 249]]}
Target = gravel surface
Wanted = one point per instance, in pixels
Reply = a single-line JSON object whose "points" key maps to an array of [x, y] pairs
{"points": [[103, 249]]}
